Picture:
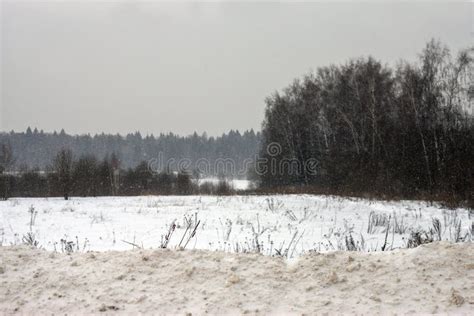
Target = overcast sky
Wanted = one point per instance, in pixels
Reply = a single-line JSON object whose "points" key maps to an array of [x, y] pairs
{"points": [[111, 66]]}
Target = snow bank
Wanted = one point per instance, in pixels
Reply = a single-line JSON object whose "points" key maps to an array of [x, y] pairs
{"points": [[435, 278]]}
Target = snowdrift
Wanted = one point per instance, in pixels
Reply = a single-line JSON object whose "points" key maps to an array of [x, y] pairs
{"points": [[434, 278]]}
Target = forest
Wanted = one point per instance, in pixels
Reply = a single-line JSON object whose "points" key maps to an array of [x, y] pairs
{"points": [[36, 164], [405, 131], [35, 149]]}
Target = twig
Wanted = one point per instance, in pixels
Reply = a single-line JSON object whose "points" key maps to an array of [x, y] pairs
{"points": [[193, 233], [133, 244]]}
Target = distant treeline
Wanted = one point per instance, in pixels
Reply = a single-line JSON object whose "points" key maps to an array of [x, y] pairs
{"points": [[405, 131], [87, 176], [35, 149]]}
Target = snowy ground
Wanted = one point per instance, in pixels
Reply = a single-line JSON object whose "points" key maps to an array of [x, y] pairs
{"points": [[433, 278], [236, 184], [289, 225]]}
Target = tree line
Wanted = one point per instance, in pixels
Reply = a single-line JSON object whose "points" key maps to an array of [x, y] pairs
{"points": [[35, 149], [402, 131], [88, 176]]}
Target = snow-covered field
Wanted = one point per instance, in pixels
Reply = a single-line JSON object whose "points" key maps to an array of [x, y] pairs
{"points": [[289, 225], [433, 278]]}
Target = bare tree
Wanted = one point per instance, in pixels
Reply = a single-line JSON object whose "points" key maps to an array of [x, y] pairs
{"points": [[85, 175], [63, 167], [6, 161]]}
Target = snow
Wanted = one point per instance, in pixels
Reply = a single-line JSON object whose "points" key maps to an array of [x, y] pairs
{"points": [[236, 184], [290, 224], [433, 278]]}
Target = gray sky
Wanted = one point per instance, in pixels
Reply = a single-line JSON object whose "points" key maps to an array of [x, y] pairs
{"points": [[111, 66]]}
